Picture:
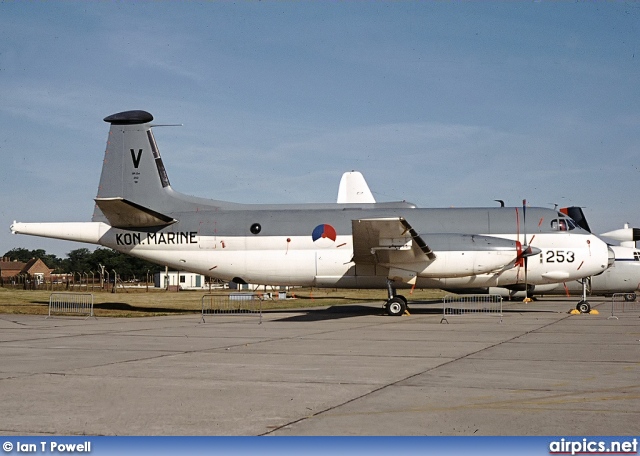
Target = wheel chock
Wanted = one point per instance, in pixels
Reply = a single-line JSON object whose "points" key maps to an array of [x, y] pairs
{"points": [[406, 312], [577, 312], [527, 300]]}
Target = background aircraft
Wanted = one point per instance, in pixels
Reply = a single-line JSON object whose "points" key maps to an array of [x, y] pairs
{"points": [[351, 245], [354, 189]]}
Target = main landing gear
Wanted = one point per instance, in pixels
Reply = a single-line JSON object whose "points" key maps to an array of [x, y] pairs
{"points": [[396, 305]]}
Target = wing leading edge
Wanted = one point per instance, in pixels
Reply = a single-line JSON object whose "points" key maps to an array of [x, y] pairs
{"points": [[372, 237], [393, 243]]}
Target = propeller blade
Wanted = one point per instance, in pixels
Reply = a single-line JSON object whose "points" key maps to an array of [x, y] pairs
{"points": [[524, 219], [526, 281], [527, 251]]}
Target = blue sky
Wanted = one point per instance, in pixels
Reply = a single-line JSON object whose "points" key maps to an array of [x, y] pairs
{"points": [[438, 103]]}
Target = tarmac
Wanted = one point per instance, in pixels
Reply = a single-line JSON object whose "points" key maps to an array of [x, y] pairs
{"points": [[344, 370]]}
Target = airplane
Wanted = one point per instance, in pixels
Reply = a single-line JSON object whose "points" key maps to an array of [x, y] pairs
{"points": [[387, 245], [622, 277]]}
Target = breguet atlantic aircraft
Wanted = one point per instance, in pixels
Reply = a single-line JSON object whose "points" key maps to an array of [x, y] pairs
{"points": [[622, 277], [360, 244]]}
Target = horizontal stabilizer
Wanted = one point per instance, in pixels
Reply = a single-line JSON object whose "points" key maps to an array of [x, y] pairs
{"points": [[90, 232], [127, 214]]}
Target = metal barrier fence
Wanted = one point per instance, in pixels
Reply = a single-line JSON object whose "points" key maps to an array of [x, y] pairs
{"points": [[622, 304], [232, 304], [471, 304], [71, 303]]}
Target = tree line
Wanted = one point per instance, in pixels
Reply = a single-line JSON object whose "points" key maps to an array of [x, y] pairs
{"points": [[85, 261]]}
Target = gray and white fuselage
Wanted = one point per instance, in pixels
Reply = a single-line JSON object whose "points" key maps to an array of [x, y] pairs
{"points": [[360, 245]]}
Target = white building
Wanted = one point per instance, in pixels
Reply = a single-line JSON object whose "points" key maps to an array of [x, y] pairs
{"points": [[179, 280]]}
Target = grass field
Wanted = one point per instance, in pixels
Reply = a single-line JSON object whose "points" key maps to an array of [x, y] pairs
{"points": [[140, 303]]}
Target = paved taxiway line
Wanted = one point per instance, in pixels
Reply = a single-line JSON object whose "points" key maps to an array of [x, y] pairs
{"points": [[341, 371]]}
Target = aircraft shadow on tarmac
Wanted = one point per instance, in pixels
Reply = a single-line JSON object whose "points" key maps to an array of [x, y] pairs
{"points": [[347, 311], [129, 308]]}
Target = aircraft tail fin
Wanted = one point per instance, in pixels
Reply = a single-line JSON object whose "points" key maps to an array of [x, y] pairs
{"points": [[134, 186], [354, 189], [576, 213]]}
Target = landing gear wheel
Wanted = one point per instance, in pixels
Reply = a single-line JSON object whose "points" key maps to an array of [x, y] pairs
{"points": [[584, 307], [630, 297], [406, 303], [396, 306]]}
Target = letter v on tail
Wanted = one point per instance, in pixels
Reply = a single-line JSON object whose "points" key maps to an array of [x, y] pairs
{"points": [[136, 159]]}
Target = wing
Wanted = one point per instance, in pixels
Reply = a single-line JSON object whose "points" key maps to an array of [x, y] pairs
{"points": [[393, 243]]}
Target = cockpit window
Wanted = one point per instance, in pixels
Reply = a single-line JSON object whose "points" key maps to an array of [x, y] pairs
{"points": [[563, 224], [636, 256]]}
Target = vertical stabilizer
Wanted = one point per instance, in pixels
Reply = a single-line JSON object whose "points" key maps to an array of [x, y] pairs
{"points": [[133, 189], [354, 189], [576, 213]]}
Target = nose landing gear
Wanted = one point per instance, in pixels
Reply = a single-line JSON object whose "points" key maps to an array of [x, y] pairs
{"points": [[584, 306]]}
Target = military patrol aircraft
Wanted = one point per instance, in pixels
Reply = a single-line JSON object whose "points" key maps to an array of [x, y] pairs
{"points": [[350, 245], [623, 276]]}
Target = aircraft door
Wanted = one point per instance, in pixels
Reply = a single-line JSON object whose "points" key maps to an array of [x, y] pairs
{"points": [[207, 234]]}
